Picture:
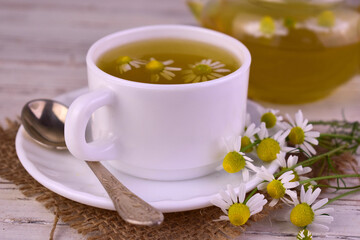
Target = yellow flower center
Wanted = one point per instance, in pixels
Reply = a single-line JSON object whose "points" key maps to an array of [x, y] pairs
{"points": [[233, 162], [276, 189], [326, 19], [155, 66], [267, 25], [238, 214], [269, 119], [267, 149], [245, 141], [302, 215], [202, 69], [123, 60], [304, 235], [296, 135]]}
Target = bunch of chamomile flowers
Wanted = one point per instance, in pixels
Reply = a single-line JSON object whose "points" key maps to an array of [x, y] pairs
{"points": [[277, 141]]}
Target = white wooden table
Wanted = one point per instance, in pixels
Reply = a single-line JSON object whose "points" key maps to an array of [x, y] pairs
{"points": [[42, 54]]}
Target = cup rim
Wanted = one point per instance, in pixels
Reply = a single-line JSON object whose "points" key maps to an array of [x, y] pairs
{"points": [[245, 64]]}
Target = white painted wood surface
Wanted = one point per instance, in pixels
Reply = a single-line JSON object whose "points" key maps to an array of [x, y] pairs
{"points": [[42, 54]]}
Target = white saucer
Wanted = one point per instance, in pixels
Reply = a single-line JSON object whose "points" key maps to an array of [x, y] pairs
{"points": [[62, 173]]}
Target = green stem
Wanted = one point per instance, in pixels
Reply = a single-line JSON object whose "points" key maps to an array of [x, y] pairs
{"points": [[312, 160], [344, 137], [250, 195], [322, 167], [329, 177], [256, 142], [342, 195], [338, 188]]}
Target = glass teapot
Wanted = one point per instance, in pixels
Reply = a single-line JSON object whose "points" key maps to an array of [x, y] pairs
{"points": [[301, 49]]}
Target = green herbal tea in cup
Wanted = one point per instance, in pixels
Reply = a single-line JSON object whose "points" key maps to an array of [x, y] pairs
{"points": [[168, 61]]}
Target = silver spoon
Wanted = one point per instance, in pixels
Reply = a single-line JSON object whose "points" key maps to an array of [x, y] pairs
{"points": [[44, 119]]}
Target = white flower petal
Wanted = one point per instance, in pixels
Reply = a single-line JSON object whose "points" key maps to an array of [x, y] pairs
{"points": [[302, 194], [315, 227], [308, 128], [323, 219], [312, 140], [168, 62], [319, 204], [242, 193], [245, 175], [290, 120], [299, 118], [223, 218], [290, 185], [292, 160], [232, 193], [219, 203], [265, 176], [292, 194], [324, 211], [315, 194], [310, 148], [225, 197], [304, 170], [262, 186], [312, 134], [286, 176], [273, 202]]}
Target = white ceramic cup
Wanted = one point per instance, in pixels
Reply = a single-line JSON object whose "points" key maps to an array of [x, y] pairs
{"points": [[159, 131]]}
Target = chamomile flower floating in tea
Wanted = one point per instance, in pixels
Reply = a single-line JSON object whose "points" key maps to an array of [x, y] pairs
{"points": [[236, 209], [304, 234], [277, 188], [266, 27], [158, 68], [235, 160], [204, 70], [306, 213], [270, 147], [300, 133], [326, 22], [124, 63], [249, 137]]}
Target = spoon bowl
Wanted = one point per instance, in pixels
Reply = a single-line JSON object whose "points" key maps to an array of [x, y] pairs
{"points": [[44, 121]]}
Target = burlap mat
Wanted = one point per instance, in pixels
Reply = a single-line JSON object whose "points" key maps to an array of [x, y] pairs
{"points": [[97, 223]]}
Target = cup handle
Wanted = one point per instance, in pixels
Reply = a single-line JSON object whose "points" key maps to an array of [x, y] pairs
{"points": [[76, 121]]}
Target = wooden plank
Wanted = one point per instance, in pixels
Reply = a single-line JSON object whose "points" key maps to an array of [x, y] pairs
{"points": [[25, 218]]}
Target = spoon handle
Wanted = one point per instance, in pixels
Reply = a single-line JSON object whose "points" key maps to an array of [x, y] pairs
{"points": [[129, 206]]}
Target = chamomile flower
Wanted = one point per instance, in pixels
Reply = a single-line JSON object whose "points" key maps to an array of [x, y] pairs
{"points": [[290, 162], [124, 63], [236, 210], [308, 214], [326, 22], [267, 27], [271, 118], [249, 136], [204, 70], [277, 188], [300, 133], [158, 68], [269, 147], [235, 160]]}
